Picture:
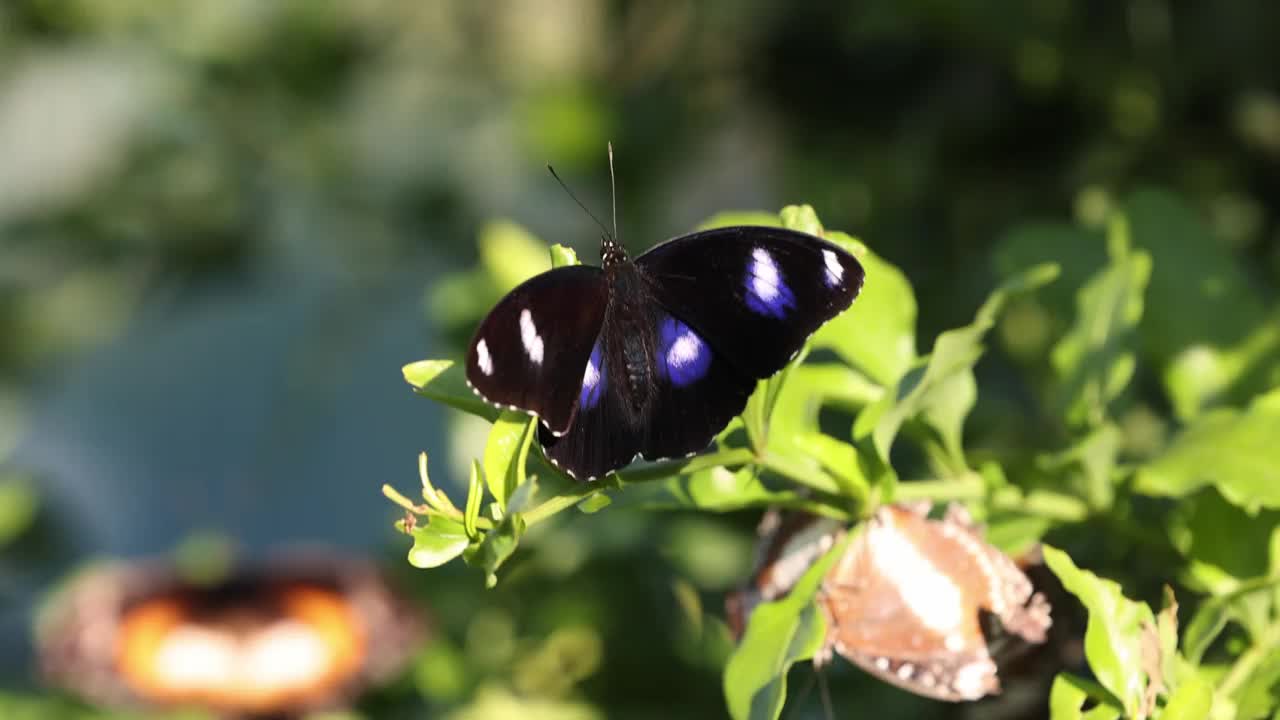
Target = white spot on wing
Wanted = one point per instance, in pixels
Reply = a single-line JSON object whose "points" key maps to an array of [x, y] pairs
{"points": [[590, 376], [765, 278], [931, 596], [684, 350], [482, 358], [835, 271], [530, 337]]}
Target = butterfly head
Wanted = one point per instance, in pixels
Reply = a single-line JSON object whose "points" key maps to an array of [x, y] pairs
{"points": [[611, 252]]}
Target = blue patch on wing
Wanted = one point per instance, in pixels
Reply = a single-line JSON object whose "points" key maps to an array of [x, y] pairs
{"points": [[682, 356], [592, 380], [767, 292]]}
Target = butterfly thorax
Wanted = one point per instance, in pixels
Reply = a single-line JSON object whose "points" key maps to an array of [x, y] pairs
{"points": [[628, 322]]}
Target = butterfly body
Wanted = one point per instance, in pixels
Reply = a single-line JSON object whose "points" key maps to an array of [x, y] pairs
{"points": [[652, 357]]}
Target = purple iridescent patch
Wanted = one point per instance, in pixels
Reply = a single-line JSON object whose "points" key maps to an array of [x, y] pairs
{"points": [[592, 380], [683, 356]]}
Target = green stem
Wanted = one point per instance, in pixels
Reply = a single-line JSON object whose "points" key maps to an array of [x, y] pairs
{"points": [[1056, 506]]}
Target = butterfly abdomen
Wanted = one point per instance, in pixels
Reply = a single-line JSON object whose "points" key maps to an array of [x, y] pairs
{"points": [[632, 331]]}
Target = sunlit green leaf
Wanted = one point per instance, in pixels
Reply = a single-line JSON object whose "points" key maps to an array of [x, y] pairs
{"points": [[497, 545], [595, 503], [1069, 695], [475, 496], [440, 541], [523, 497], [779, 634], [1112, 641], [445, 382], [562, 256], [1193, 700], [801, 218], [839, 459], [1234, 451], [1223, 543], [944, 412], [505, 453]]}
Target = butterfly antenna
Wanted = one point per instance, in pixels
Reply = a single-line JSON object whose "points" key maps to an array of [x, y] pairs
{"points": [[603, 229], [613, 191]]}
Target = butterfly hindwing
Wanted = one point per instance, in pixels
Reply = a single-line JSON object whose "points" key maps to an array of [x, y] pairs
{"points": [[753, 293], [605, 434], [695, 391], [531, 350]]}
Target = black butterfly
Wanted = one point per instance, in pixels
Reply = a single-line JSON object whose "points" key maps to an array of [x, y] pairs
{"points": [[653, 357]]}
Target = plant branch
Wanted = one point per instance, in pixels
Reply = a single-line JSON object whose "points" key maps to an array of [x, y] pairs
{"points": [[398, 498]]}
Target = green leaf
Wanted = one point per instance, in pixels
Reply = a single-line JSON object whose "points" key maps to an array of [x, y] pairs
{"points": [[1234, 451], [440, 541], [475, 495], [1223, 543], [944, 412], [595, 503], [1256, 696], [877, 334], [840, 460], [778, 635], [801, 218], [1069, 694], [505, 453], [497, 545], [1208, 355], [1213, 615], [445, 382], [926, 384], [1080, 253], [523, 497], [1089, 465], [1113, 637], [741, 217], [1094, 360], [562, 256], [1193, 700]]}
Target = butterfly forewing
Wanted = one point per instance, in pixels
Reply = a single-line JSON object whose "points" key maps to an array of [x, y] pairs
{"points": [[752, 293], [531, 352]]}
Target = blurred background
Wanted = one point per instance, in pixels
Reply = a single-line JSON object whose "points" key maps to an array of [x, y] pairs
{"points": [[224, 226]]}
